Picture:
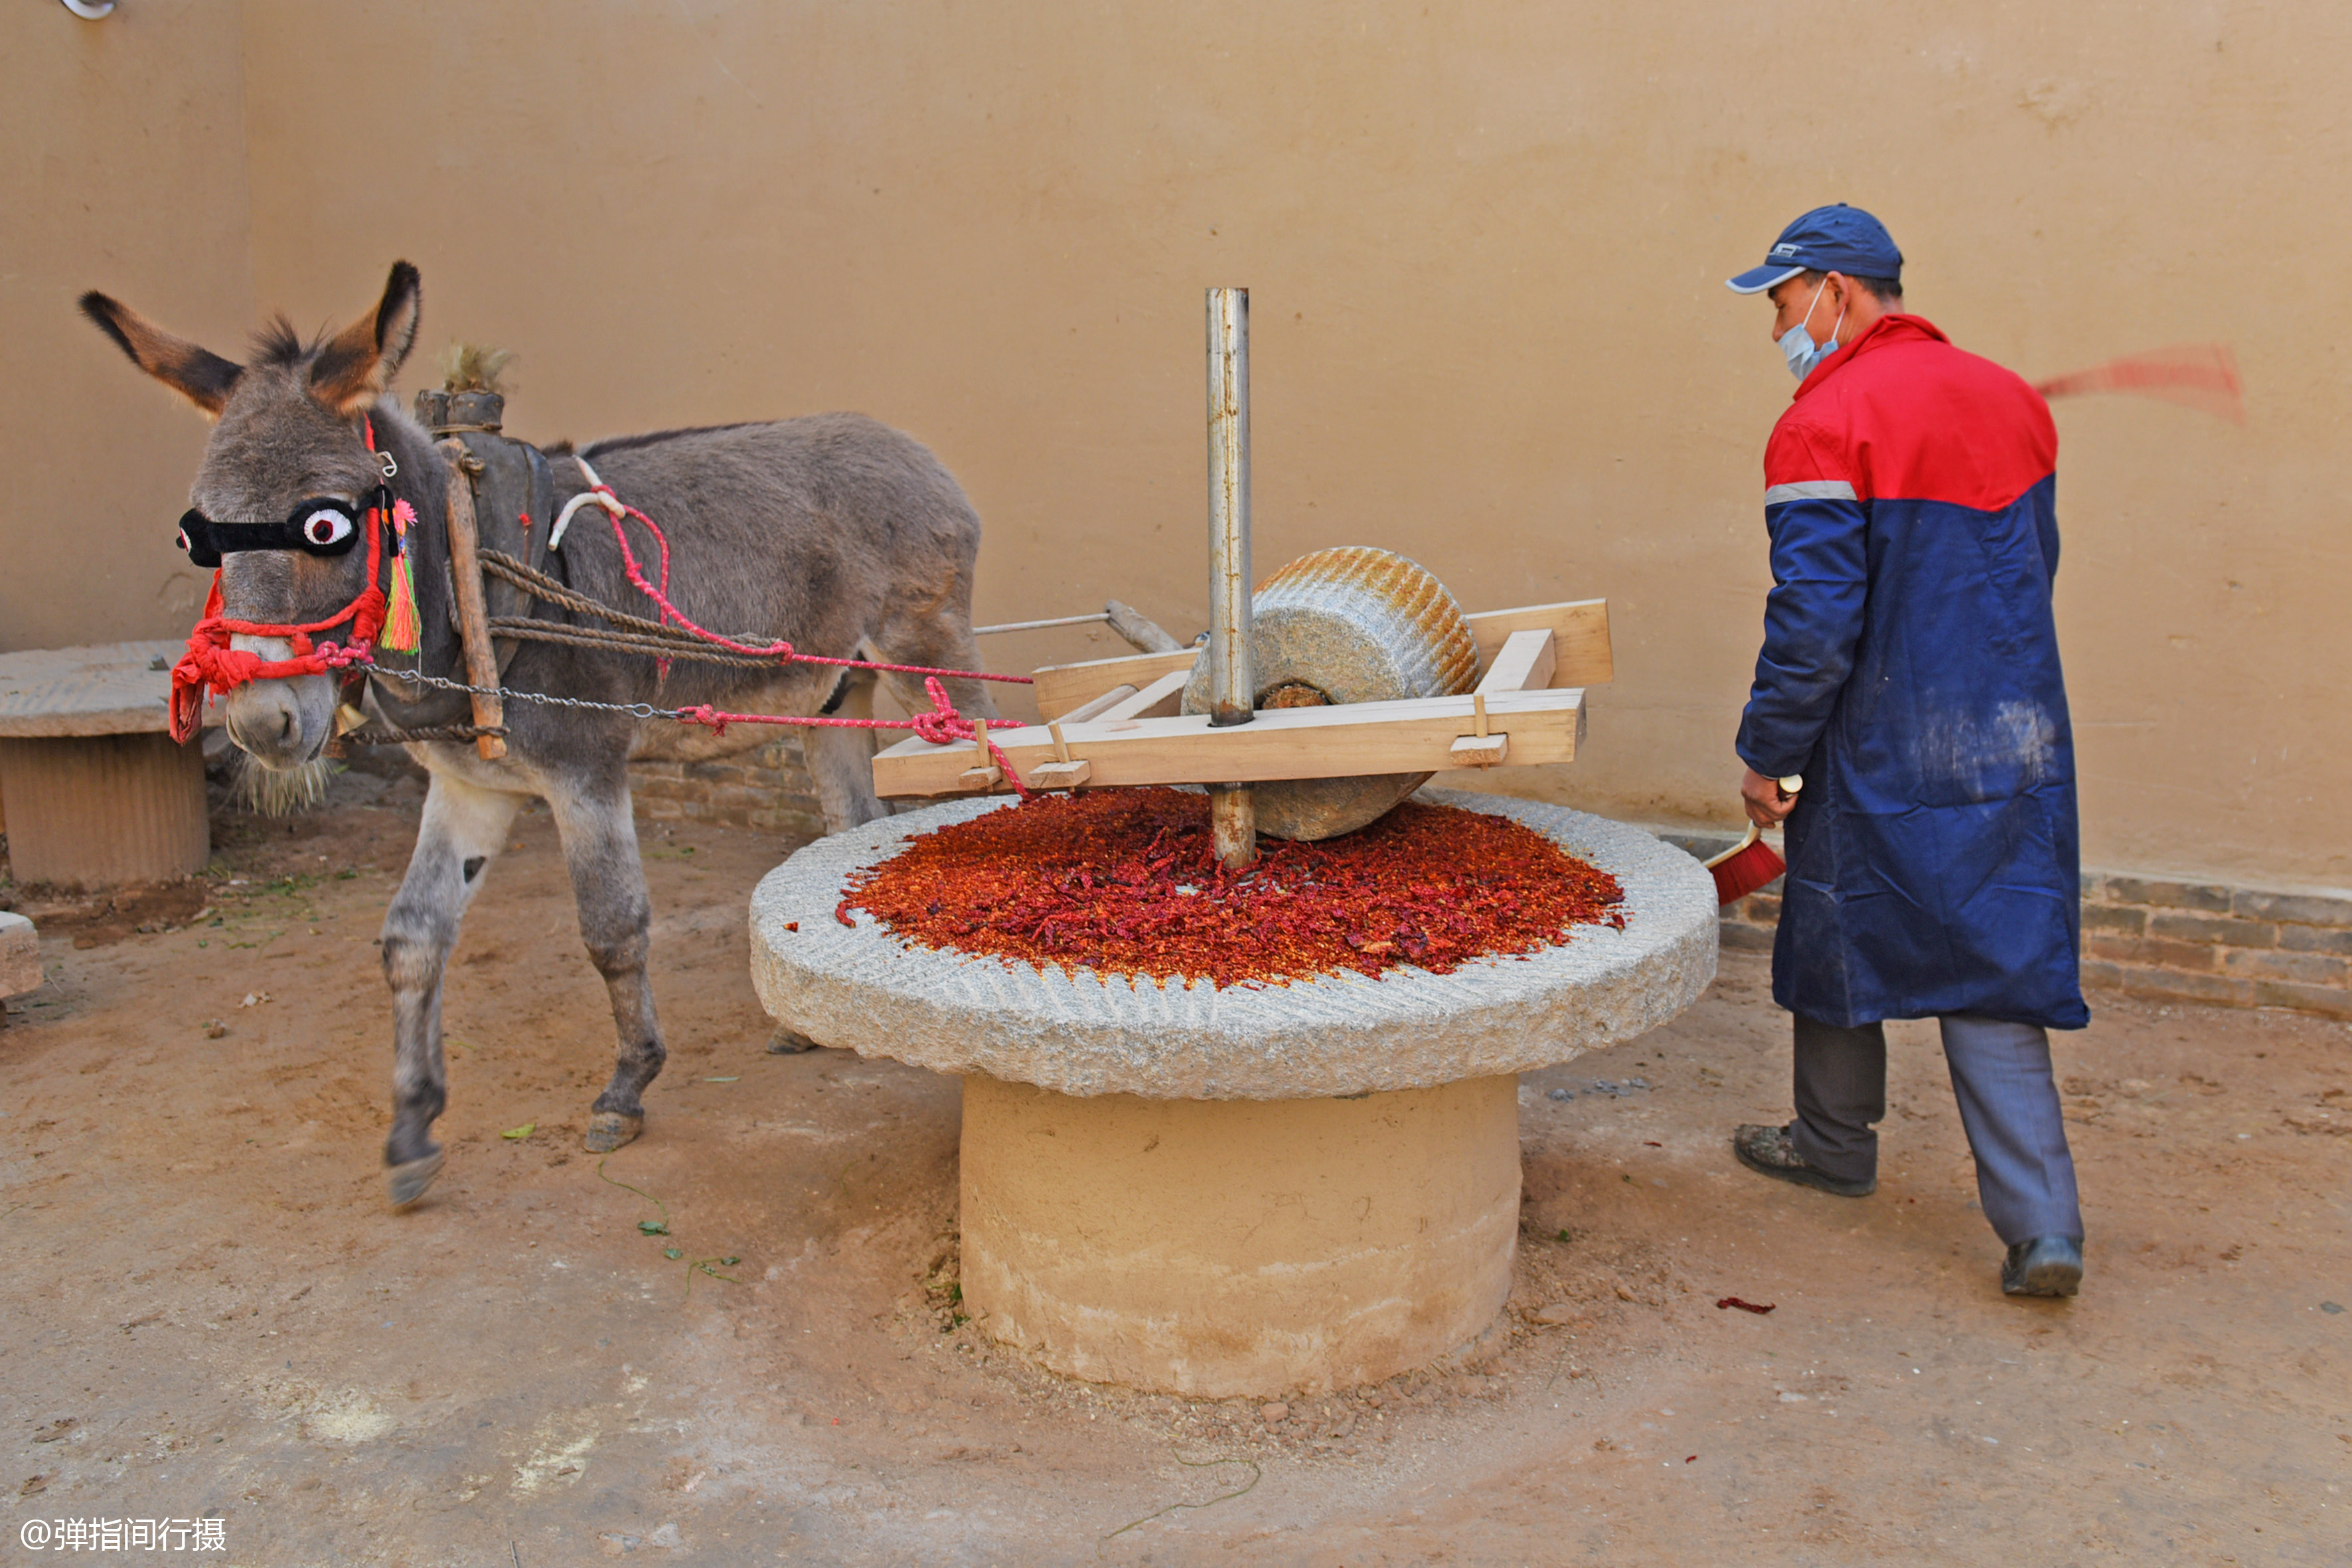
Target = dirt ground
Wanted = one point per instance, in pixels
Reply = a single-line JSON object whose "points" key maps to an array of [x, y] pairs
{"points": [[210, 1311]]}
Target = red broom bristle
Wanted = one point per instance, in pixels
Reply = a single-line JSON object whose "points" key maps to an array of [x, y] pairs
{"points": [[1744, 870]]}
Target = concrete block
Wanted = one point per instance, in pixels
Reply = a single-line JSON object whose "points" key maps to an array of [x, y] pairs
{"points": [[2172, 985], [2211, 928], [20, 955], [737, 797], [2328, 1001], [2302, 909], [2316, 939], [2168, 895], [2190, 957], [2098, 975], [2307, 968]]}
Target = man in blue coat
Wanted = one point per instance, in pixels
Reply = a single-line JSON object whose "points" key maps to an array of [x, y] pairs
{"points": [[1908, 725]]}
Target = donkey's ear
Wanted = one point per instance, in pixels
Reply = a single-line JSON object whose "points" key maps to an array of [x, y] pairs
{"points": [[201, 376], [359, 362]]}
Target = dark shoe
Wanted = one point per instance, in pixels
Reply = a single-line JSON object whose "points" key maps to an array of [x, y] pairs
{"points": [[2046, 1266], [1768, 1151]]}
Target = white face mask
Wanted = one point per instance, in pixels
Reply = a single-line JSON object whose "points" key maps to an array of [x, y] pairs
{"points": [[1797, 344]]}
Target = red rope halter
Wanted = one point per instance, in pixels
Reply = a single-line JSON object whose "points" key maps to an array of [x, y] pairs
{"points": [[211, 665]]}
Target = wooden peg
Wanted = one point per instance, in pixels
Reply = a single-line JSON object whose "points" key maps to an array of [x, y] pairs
{"points": [[1062, 773], [1480, 751], [986, 775]]}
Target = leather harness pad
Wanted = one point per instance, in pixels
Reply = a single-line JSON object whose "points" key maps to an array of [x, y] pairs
{"points": [[515, 483]]}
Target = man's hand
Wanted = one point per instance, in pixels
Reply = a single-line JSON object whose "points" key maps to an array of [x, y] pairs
{"points": [[1768, 803]]}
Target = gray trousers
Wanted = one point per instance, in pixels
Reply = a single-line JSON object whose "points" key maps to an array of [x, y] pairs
{"points": [[2008, 1107]]}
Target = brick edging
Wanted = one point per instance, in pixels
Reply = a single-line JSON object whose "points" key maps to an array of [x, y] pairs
{"points": [[769, 789], [2160, 938]]}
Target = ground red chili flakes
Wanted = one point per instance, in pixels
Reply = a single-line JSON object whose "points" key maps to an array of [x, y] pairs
{"points": [[1124, 881]]}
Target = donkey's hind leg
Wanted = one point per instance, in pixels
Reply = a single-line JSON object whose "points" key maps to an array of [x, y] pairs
{"points": [[599, 844], [464, 828], [841, 761]]}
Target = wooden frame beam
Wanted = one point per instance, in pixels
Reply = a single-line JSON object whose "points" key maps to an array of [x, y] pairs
{"points": [[1579, 631], [1412, 736]]}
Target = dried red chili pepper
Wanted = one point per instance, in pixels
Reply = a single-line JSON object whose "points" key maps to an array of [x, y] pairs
{"points": [[1743, 1306], [1126, 882]]}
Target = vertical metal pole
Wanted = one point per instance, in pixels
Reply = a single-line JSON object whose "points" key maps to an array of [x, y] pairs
{"points": [[1232, 685]]}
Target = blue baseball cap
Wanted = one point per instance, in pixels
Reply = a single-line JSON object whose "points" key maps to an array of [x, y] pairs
{"points": [[1827, 239]]}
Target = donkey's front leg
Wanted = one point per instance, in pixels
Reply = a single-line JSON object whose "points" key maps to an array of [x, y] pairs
{"points": [[464, 828], [600, 843]]}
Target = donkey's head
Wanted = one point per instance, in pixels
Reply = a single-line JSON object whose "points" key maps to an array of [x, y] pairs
{"points": [[288, 448]]}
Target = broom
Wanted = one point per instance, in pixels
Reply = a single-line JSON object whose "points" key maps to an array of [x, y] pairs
{"points": [[1751, 863], [2203, 376]]}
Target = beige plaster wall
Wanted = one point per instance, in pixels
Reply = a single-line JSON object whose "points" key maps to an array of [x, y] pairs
{"points": [[122, 167], [1485, 245]]}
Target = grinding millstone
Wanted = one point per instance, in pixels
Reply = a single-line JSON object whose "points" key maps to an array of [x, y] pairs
{"points": [[1346, 625]]}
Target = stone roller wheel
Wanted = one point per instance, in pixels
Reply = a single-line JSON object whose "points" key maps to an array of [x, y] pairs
{"points": [[1346, 625]]}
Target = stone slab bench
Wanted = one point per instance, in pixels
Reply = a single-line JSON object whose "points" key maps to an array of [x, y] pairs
{"points": [[94, 790]]}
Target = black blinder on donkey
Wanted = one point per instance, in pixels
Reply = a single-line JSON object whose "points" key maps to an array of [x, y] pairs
{"points": [[845, 542]]}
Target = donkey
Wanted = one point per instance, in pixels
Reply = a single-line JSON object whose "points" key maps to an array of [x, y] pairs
{"points": [[832, 532]]}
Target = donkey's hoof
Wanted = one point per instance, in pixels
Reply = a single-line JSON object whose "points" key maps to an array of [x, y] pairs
{"points": [[608, 1129], [407, 1182], [790, 1042]]}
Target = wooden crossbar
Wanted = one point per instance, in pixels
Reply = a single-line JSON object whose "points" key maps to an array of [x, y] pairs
{"points": [[1412, 736], [1579, 631]]}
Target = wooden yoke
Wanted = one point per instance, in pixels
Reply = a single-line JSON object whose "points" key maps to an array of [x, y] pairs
{"points": [[1579, 631], [473, 609], [1116, 722]]}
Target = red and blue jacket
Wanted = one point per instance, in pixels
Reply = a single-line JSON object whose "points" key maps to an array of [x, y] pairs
{"points": [[1910, 673]]}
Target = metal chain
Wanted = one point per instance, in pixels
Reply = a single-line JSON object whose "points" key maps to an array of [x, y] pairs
{"points": [[634, 710]]}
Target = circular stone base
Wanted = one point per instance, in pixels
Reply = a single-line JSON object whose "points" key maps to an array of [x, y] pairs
{"points": [[1245, 1190], [1225, 1248]]}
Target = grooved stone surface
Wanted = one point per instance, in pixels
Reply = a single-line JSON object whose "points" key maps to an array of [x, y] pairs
{"points": [[859, 990]]}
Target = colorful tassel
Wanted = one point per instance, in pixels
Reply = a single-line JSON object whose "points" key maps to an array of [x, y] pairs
{"points": [[399, 634]]}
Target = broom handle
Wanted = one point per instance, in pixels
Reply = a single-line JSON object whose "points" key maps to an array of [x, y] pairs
{"points": [[1790, 784]]}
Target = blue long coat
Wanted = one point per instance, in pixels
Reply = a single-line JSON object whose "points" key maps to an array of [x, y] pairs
{"points": [[1910, 673]]}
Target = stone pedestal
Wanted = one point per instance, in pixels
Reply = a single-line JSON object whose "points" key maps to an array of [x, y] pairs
{"points": [[100, 810], [95, 793], [1220, 1247], [1241, 1192]]}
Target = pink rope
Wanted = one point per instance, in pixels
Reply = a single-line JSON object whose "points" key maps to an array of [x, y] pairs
{"points": [[940, 727], [670, 612]]}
